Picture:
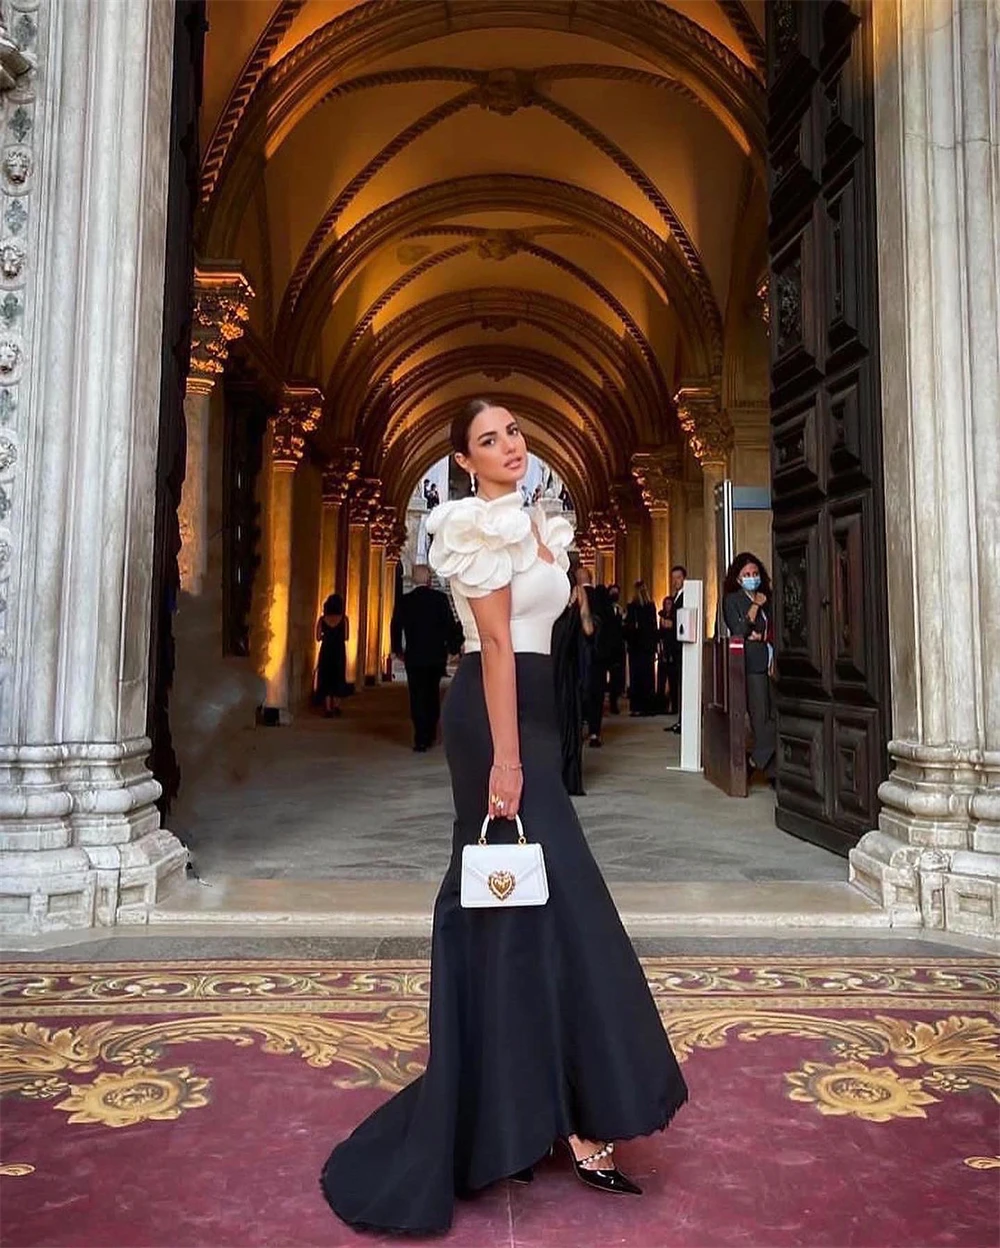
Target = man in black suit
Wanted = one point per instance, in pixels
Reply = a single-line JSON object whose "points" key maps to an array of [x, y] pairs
{"points": [[674, 647], [424, 633]]}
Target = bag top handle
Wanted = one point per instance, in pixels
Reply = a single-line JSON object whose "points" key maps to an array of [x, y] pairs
{"points": [[521, 838]]}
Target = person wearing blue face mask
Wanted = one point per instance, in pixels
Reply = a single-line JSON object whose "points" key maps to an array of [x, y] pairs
{"points": [[746, 608]]}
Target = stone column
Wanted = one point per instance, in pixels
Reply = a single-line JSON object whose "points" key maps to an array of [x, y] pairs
{"points": [[365, 500], [80, 835], [221, 310], [604, 526], [377, 537], [710, 436], [678, 523], [393, 555], [935, 858], [298, 415], [655, 472], [340, 474]]}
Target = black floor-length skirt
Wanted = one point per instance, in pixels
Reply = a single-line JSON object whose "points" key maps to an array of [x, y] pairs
{"points": [[541, 1021]]}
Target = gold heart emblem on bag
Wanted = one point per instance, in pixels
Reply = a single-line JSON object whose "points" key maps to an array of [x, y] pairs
{"points": [[501, 884]]}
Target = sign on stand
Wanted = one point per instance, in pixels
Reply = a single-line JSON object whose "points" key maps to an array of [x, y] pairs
{"points": [[690, 625]]}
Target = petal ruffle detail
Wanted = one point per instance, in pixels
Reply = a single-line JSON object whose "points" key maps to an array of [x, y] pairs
{"points": [[479, 545]]}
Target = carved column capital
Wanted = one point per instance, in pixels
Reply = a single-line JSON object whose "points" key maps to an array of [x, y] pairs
{"points": [[604, 528], [366, 499], [625, 498], [222, 297], [654, 473], [341, 472], [383, 525], [299, 415], [709, 430], [585, 548]]}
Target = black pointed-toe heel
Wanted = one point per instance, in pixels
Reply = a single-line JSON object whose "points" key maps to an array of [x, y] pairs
{"points": [[527, 1175], [611, 1180]]}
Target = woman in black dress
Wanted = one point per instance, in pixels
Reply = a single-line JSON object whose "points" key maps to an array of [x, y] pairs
{"points": [[542, 1026], [746, 608], [640, 638], [567, 641], [332, 630]]}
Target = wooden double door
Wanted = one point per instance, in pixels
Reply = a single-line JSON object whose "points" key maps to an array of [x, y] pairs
{"points": [[826, 444]]}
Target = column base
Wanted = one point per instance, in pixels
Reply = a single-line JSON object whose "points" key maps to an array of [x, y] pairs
{"points": [[80, 838], [935, 860]]}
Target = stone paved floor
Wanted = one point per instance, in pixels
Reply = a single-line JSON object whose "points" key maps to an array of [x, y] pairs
{"points": [[347, 799]]}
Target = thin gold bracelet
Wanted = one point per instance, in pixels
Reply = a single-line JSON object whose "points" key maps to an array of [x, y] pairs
{"points": [[507, 766]]}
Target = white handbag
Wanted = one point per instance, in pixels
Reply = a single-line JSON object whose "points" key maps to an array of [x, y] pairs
{"points": [[503, 875]]}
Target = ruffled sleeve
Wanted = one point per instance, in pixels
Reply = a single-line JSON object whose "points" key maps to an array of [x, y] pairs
{"points": [[557, 535], [479, 545]]}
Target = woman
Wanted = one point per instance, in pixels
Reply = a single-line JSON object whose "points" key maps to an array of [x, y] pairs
{"points": [[332, 630], [746, 608], [542, 1026], [640, 639], [566, 647], [667, 658]]}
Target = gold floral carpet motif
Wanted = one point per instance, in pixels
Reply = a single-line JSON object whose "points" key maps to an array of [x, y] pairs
{"points": [[782, 1054]]}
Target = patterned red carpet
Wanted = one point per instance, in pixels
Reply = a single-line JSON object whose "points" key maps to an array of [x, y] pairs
{"points": [[834, 1104]]}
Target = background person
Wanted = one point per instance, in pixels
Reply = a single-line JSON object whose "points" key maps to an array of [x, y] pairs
{"points": [[332, 632], [640, 639], [424, 632], [615, 648], [675, 648], [746, 606]]}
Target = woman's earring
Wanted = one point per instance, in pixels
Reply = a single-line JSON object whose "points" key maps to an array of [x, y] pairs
{"points": [[474, 483]]}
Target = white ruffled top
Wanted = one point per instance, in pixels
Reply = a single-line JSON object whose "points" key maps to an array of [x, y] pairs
{"points": [[481, 545]]}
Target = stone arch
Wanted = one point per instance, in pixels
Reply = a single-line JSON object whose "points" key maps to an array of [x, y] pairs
{"points": [[638, 400], [266, 105], [660, 263]]}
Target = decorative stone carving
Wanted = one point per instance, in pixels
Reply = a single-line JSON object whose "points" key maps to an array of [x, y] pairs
{"points": [[763, 293], [412, 253], [17, 165], [498, 324], [13, 63], [10, 357], [397, 540], [340, 474], [383, 526], [298, 416], [708, 428], [366, 499], [501, 244], [603, 530], [654, 473], [505, 91], [12, 255], [221, 311]]}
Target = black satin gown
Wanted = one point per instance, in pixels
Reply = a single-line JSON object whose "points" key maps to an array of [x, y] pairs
{"points": [[541, 1021]]}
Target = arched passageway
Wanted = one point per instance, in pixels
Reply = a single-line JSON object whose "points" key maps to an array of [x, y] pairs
{"points": [[563, 208]]}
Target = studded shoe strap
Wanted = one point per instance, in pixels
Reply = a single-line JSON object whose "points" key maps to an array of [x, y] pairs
{"points": [[600, 1155]]}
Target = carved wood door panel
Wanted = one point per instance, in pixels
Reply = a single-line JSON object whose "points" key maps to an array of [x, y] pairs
{"points": [[826, 450]]}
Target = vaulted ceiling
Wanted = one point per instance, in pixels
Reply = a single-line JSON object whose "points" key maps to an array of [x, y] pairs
{"points": [[557, 201]]}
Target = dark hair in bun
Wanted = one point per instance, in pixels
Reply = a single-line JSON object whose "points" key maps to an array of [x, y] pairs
{"points": [[461, 424]]}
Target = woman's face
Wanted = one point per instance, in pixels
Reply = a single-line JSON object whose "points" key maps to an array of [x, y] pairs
{"points": [[748, 569], [496, 453]]}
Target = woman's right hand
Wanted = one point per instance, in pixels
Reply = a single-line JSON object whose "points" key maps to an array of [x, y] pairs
{"points": [[759, 599], [506, 784]]}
